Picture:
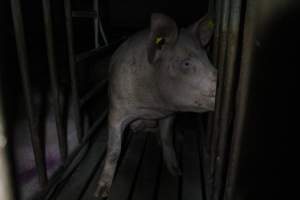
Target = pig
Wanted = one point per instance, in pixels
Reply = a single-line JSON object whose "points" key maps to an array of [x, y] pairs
{"points": [[154, 74]]}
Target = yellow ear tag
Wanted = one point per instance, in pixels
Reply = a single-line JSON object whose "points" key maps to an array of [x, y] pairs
{"points": [[158, 40], [210, 24]]}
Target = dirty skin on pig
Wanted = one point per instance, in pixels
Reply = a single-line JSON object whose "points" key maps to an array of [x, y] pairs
{"points": [[153, 75]]}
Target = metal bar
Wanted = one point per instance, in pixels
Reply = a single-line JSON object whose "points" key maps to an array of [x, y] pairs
{"points": [[22, 55], [96, 22], [72, 66], [222, 46], [93, 52], [84, 14], [216, 38], [228, 96], [102, 31], [82, 56], [242, 97], [90, 94], [6, 181], [62, 138], [95, 125]]}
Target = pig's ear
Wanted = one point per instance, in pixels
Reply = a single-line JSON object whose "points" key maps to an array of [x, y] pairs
{"points": [[163, 33], [203, 29]]}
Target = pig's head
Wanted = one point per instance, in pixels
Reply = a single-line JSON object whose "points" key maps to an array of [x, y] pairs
{"points": [[185, 77]]}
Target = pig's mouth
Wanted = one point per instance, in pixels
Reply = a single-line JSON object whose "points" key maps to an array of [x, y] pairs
{"points": [[207, 102]]}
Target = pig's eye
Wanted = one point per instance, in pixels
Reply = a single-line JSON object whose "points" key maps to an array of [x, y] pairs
{"points": [[186, 67], [186, 63]]}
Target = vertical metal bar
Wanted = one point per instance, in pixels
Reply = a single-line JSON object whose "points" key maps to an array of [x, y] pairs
{"points": [[224, 6], [22, 54], [68, 15], [215, 61], [228, 95], [103, 35], [62, 139], [242, 96], [222, 46], [96, 23], [216, 38], [6, 185]]}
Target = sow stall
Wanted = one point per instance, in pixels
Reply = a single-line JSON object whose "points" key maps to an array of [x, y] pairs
{"points": [[53, 101]]}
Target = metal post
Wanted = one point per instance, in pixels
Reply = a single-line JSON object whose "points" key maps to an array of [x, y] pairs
{"points": [[6, 185], [62, 139], [22, 55], [96, 23], [68, 15], [228, 96], [100, 23], [223, 8], [242, 96]]}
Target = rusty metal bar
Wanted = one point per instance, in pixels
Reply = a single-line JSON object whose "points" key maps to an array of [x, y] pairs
{"points": [[96, 22], [6, 181], [22, 55], [90, 94], [84, 14], [242, 97], [62, 138], [72, 65], [228, 96], [222, 47]]}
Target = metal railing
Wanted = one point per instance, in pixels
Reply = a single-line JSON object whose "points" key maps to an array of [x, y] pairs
{"points": [[83, 135]]}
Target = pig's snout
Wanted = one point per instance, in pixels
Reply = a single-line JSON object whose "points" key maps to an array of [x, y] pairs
{"points": [[212, 90]]}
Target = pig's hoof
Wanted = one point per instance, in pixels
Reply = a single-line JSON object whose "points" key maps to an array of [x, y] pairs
{"points": [[102, 190]]}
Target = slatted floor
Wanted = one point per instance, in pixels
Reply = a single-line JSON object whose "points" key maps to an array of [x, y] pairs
{"points": [[141, 173]]}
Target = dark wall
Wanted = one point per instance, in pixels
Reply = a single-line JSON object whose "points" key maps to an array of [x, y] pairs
{"points": [[136, 13], [267, 164]]}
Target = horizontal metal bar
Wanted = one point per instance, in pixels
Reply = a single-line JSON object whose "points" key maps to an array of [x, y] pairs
{"points": [[97, 51], [95, 125], [87, 54], [91, 93], [84, 14], [71, 163], [23, 64]]}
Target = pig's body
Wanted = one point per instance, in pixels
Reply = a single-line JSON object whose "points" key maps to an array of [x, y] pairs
{"points": [[154, 74], [132, 87]]}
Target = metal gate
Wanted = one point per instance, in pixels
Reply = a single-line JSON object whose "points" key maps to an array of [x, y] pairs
{"points": [[79, 101]]}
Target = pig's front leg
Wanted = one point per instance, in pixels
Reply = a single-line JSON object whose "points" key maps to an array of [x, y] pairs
{"points": [[167, 133], [116, 126]]}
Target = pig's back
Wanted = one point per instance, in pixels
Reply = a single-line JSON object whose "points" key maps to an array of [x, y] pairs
{"points": [[129, 72], [133, 47]]}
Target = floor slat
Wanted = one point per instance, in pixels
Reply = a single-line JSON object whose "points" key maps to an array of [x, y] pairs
{"points": [[126, 174], [80, 178], [169, 185], [145, 186], [191, 178]]}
